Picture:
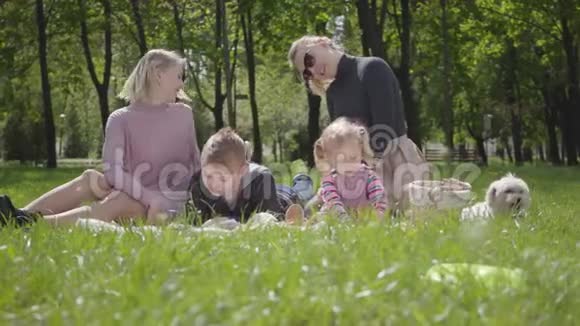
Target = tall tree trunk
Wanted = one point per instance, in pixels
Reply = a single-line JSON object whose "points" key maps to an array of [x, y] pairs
{"points": [[516, 136], [447, 85], [246, 20], [563, 128], [313, 125], [553, 153], [101, 87], [513, 101], [140, 30], [508, 149], [226, 61], [550, 111], [314, 102], [108, 12], [363, 40], [411, 109], [540, 150], [372, 33], [231, 82], [550, 120], [517, 122], [218, 111], [275, 149], [572, 107], [46, 98], [563, 147], [217, 108], [372, 43], [480, 144], [281, 152], [363, 19], [566, 125]]}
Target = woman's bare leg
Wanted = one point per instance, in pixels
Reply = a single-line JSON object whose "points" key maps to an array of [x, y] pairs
{"points": [[89, 186], [115, 206]]}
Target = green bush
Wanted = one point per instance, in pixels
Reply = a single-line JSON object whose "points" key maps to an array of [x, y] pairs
{"points": [[23, 137], [77, 144]]}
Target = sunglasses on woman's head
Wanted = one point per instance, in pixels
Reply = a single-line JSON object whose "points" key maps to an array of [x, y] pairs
{"points": [[309, 62], [184, 75]]}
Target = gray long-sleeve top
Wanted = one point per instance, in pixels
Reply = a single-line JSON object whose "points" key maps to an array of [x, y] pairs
{"points": [[366, 89]]}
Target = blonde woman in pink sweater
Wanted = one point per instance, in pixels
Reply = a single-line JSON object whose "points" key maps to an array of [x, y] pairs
{"points": [[150, 153]]}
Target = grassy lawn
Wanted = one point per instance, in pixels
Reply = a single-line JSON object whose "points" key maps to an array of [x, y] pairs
{"points": [[343, 274]]}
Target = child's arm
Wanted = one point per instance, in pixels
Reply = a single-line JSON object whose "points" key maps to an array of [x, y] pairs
{"points": [[330, 195], [203, 205], [376, 193], [267, 196]]}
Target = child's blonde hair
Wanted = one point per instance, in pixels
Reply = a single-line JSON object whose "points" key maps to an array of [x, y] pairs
{"points": [[333, 136], [317, 87], [139, 82]]}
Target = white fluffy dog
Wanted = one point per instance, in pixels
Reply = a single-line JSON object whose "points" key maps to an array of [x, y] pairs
{"points": [[508, 195]]}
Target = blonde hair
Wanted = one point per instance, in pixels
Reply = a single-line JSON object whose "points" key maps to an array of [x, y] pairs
{"points": [[249, 150], [226, 148], [139, 83], [317, 87], [336, 134]]}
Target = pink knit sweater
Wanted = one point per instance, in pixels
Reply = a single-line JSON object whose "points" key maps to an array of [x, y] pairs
{"points": [[150, 152]]}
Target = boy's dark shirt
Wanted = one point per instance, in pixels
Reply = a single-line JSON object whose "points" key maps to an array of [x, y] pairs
{"points": [[257, 194]]}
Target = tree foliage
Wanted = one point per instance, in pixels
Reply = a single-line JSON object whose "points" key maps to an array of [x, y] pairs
{"points": [[457, 62]]}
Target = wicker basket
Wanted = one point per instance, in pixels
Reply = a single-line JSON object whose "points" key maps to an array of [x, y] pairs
{"points": [[439, 194]]}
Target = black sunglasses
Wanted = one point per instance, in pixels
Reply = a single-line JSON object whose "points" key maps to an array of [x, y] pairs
{"points": [[309, 62], [184, 74]]}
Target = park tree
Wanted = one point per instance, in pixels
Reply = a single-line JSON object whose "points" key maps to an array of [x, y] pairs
{"points": [[101, 86], [376, 32], [76, 142], [46, 98], [457, 62]]}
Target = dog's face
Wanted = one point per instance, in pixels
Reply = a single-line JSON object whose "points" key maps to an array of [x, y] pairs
{"points": [[508, 195]]}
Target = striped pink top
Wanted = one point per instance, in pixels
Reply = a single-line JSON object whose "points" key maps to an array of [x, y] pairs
{"points": [[361, 189]]}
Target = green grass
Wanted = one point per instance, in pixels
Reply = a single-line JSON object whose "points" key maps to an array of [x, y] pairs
{"points": [[343, 274]]}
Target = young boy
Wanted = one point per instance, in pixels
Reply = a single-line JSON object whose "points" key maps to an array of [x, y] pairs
{"points": [[228, 185]]}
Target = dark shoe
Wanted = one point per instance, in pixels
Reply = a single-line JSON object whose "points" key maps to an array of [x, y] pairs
{"points": [[303, 185], [9, 214], [7, 210], [23, 217], [286, 196]]}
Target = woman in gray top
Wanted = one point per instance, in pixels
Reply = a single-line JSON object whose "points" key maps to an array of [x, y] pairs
{"points": [[364, 89]]}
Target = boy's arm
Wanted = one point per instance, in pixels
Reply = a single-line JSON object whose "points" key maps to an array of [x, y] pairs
{"points": [[266, 197], [201, 203], [376, 193]]}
